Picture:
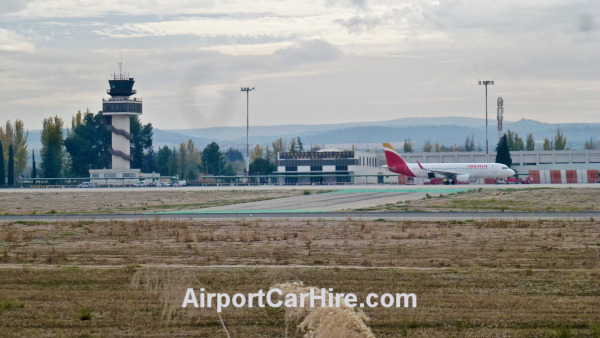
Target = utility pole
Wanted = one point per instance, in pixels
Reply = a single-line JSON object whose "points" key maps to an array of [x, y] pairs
{"points": [[486, 83], [247, 90]]}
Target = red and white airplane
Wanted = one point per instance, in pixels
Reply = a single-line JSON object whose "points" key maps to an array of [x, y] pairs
{"points": [[452, 172]]}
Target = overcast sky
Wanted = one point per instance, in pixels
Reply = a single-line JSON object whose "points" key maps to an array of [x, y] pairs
{"points": [[321, 61]]}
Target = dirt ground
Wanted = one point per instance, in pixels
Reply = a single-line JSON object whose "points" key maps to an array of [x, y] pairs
{"points": [[98, 201], [480, 278], [533, 199]]}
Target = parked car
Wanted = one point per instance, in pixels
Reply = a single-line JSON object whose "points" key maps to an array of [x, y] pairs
{"points": [[182, 183], [85, 185]]}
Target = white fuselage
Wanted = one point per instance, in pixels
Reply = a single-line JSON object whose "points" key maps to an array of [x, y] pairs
{"points": [[474, 170]]}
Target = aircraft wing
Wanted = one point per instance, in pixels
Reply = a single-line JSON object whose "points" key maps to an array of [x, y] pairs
{"points": [[448, 174]]}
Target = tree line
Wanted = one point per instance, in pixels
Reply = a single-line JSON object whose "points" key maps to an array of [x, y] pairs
{"points": [[514, 143], [71, 151]]}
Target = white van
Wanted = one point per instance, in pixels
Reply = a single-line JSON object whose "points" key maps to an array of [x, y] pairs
{"points": [[180, 183]]}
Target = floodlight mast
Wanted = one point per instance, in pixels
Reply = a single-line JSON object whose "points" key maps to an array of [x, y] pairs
{"points": [[486, 83], [247, 90]]}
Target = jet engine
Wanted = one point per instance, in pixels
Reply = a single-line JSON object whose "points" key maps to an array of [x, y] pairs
{"points": [[464, 178]]}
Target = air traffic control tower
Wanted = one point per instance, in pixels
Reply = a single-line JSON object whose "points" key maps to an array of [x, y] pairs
{"points": [[120, 106]]}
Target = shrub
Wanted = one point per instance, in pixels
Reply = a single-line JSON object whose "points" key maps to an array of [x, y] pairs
{"points": [[84, 313]]}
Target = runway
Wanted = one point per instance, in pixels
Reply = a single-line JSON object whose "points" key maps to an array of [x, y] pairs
{"points": [[339, 200], [226, 215]]}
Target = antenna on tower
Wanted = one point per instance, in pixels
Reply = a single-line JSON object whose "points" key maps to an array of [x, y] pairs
{"points": [[121, 67]]}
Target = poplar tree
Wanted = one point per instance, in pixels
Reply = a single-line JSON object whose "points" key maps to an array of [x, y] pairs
{"points": [[33, 166], [408, 146], [560, 141], [530, 143], [427, 146], [52, 151], [15, 134], [11, 165], [2, 173]]}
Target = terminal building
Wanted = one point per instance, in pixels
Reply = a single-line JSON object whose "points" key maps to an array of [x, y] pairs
{"points": [[328, 166]]}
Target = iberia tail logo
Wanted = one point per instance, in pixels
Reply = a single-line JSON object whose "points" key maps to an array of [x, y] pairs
{"points": [[395, 162]]}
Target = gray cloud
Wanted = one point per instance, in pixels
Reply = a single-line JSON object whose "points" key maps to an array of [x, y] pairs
{"points": [[308, 51], [350, 61], [358, 24]]}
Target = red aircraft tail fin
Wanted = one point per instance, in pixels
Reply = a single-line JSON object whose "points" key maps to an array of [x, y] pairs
{"points": [[395, 162]]}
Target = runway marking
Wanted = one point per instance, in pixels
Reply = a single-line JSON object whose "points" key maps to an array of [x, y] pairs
{"points": [[423, 190], [233, 212]]}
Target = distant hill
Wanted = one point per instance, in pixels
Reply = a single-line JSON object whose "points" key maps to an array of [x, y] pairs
{"points": [[445, 130]]}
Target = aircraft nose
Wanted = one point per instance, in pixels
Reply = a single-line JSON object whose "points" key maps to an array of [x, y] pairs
{"points": [[512, 172]]}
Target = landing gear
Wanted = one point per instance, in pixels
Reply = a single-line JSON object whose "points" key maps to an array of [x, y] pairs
{"points": [[453, 182]]}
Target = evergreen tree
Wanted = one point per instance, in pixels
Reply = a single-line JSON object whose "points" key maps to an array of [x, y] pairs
{"points": [[234, 155], [163, 161], [502, 151], [11, 165], [547, 144], [292, 145], [88, 143], [141, 145], [212, 159], [33, 165], [52, 151], [530, 143], [300, 145], [2, 173], [260, 166]]}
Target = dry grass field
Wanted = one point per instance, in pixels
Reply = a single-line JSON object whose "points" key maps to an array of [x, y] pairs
{"points": [[480, 278], [531, 199], [99, 201]]}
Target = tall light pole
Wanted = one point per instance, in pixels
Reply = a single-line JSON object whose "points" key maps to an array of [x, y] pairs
{"points": [[247, 90], [486, 83]]}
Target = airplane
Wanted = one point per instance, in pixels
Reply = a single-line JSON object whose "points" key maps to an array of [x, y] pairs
{"points": [[451, 172]]}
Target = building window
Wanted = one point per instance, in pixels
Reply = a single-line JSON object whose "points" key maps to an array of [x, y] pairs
{"points": [[129, 175], [316, 168], [291, 168], [96, 175], [110, 175], [341, 168]]}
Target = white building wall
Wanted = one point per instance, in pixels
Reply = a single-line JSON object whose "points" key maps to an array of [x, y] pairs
{"points": [[120, 142]]}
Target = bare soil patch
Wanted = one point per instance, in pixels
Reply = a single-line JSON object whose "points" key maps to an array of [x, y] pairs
{"points": [[533, 199], [98, 201]]}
